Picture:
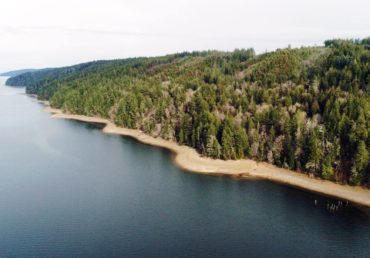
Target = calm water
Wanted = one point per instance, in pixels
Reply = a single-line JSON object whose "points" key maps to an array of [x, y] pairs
{"points": [[68, 190]]}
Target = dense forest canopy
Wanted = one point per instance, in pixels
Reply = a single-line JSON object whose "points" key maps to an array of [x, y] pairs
{"points": [[306, 109]]}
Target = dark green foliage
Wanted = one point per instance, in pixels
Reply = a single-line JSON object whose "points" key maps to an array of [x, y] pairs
{"points": [[347, 66], [234, 140], [127, 111], [360, 165], [306, 109], [277, 67]]}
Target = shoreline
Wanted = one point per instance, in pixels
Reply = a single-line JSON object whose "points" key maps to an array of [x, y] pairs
{"points": [[190, 160]]}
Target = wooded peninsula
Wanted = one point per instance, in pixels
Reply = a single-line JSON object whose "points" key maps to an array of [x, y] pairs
{"points": [[305, 109]]}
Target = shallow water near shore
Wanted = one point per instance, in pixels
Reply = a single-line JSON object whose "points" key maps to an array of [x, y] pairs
{"points": [[68, 190]]}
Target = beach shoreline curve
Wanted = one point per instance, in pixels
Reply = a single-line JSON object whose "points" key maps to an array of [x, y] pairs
{"points": [[190, 160]]}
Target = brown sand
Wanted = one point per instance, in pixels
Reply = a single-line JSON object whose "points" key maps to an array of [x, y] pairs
{"points": [[188, 159]]}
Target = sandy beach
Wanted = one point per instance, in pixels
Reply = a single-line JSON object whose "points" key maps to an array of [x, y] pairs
{"points": [[188, 159]]}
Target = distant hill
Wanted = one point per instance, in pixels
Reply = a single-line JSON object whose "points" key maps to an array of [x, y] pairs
{"points": [[17, 72]]}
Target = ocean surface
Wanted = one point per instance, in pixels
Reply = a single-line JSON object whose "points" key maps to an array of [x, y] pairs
{"points": [[68, 190]]}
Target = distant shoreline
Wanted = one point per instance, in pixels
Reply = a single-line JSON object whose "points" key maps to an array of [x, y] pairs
{"points": [[188, 159]]}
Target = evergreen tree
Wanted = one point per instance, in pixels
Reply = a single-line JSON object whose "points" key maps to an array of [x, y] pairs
{"points": [[360, 165]]}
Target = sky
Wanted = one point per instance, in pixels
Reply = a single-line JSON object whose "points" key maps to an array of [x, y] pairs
{"points": [[50, 33]]}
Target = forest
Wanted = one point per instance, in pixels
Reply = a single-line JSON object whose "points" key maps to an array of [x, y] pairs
{"points": [[306, 109]]}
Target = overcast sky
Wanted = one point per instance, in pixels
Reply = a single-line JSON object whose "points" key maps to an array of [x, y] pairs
{"points": [[49, 33]]}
